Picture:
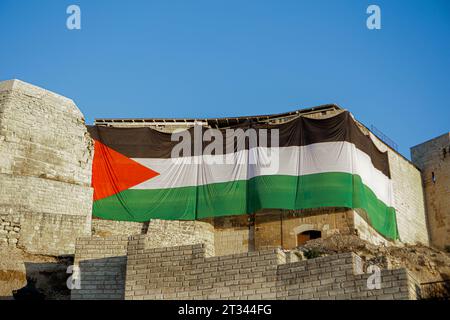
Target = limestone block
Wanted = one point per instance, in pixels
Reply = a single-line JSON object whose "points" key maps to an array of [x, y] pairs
{"points": [[45, 168]]}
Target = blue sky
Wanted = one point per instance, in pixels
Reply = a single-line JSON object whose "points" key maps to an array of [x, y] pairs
{"points": [[213, 58]]}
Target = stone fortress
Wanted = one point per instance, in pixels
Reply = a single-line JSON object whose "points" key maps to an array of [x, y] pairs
{"points": [[46, 203]]}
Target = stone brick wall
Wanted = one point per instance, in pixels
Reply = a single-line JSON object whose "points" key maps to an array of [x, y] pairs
{"points": [[34, 194], [279, 228], [409, 201], [43, 135], [185, 273], [51, 234], [102, 265], [163, 233], [42, 233], [45, 169], [233, 234], [9, 230], [102, 261], [237, 234], [108, 228], [46, 198], [433, 157], [340, 277], [126, 268]]}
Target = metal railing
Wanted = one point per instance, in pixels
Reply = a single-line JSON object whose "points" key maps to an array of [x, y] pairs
{"points": [[391, 143]]}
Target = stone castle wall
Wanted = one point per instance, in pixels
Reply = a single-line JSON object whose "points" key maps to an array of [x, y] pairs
{"points": [[409, 202], [45, 173], [102, 263], [45, 170], [279, 228], [163, 232], [103, 260], [107, 228], [271, 228], [433, 158], [233, 234], [247, 233], [187, 272]]}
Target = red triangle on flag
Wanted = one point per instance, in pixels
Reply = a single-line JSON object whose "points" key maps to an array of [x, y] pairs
{"points": [[112, 172]]}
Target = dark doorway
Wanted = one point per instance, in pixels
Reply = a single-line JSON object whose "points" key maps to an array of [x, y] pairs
{"points": [[308, 235]]}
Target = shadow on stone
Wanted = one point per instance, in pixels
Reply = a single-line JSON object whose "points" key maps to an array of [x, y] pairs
{"points": [[102, 279], [437, 290], [29, 292], [46, 280]]}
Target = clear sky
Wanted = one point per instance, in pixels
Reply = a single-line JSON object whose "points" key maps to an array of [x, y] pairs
{"points": [[195, 58]]}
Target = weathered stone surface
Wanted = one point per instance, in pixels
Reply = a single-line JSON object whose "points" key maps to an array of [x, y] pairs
{"points": [[107, 228], [433, 157], [118, 268], [108, 256], [48, 273], [46, 202], [408, 195], [45, 169]]}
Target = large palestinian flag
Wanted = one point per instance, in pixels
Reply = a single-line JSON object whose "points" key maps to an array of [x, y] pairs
{"points": [[314, 163]]}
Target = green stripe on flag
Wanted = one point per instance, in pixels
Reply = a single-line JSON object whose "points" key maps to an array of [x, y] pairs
{"points": [[331, 189]]}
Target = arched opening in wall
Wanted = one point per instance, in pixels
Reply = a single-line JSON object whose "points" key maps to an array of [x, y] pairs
{"points": [[308, 235]]}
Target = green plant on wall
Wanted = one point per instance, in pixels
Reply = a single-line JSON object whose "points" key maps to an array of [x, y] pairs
{"points": [[312, 253]]}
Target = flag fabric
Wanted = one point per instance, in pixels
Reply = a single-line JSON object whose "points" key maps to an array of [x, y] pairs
{"points": [[313, 163]]}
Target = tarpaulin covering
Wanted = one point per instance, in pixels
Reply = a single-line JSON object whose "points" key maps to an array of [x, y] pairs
{"points": [[304, 163]]}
